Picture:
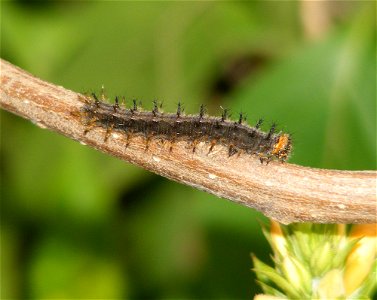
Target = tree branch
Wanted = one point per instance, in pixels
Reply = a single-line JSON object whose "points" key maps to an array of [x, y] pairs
{"points": [[285, 192]]}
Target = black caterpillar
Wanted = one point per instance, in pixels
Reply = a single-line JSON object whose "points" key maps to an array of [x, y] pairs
{"points": [[236, 136]]}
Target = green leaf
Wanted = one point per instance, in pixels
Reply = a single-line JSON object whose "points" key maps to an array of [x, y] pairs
{"points": [[282, 283], [269, 290]]}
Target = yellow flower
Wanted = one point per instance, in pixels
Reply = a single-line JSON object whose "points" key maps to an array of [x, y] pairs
{"points": [[278, 240], [360, 260]]}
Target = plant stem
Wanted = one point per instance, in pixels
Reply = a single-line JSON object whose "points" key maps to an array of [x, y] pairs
{"points": [[284, 192]]}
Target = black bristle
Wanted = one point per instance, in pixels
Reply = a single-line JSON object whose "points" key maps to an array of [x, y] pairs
{"points": [[224, 114], [259, 123], [116, 105], [96, 101], [271, 131], [202, 111], [155, 107], [241, 118], [134, 106], [179, 110]]}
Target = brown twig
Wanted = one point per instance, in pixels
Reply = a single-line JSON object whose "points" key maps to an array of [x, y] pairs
{"points": [[285, 192]]}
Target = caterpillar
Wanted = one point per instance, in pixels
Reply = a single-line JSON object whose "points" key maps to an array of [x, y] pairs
{"points": [[237, 136]]}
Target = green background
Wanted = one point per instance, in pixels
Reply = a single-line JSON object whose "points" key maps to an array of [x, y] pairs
{"points": [[76, 223]]}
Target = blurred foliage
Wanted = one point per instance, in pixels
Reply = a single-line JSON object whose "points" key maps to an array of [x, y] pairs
{"points": [[78, 224]]}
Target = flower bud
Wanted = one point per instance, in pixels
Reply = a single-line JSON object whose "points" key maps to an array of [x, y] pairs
{"points": [[360, 260], [278, 241], [331, 285], [296, 274]]}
